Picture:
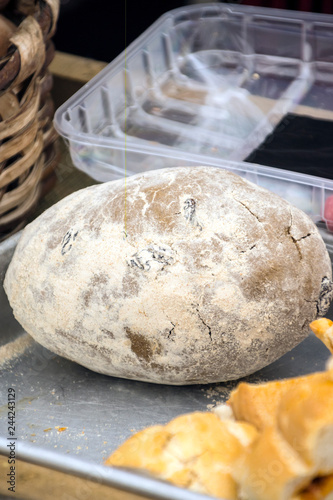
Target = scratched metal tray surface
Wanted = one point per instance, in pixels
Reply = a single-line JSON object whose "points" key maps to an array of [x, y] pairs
{"points": [[70, 418]]}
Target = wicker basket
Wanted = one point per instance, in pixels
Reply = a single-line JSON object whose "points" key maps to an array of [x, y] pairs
{"points": [[28, 142]]}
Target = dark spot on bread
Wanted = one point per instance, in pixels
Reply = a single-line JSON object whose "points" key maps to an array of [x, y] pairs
{"points": [[141, 346], [68, 241], [107, 333], [325, 296], [130, 284], [87, 296], [95, 288], [99, 278], [263, 281]]}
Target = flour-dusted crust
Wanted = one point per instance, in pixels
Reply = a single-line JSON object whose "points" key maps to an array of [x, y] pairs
{"points": [[176, 276]]}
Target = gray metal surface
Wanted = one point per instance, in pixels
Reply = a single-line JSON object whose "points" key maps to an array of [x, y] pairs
{"points": [[65, 411]]}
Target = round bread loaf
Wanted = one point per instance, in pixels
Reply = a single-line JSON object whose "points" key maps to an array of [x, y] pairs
{"points": [[177, 276]]}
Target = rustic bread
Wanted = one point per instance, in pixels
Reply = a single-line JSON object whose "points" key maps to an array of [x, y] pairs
{"points": [[176, 276], [323, 329], [320, 488], [286, 455], [258, 404], [271, 469], [294, 448], [305, 419], [228, 459], [195, 451]]}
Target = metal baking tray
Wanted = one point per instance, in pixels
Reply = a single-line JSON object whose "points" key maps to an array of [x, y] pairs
{"points": [[70, 419]]}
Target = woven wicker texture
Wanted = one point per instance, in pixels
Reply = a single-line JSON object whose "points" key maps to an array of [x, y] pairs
{"points": [[28, 142]]}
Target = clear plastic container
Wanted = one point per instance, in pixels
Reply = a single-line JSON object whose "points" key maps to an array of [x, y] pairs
{"points": [[205, 85]]}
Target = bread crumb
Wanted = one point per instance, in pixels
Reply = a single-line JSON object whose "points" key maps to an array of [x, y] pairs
{"points": [[224, 412]]}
